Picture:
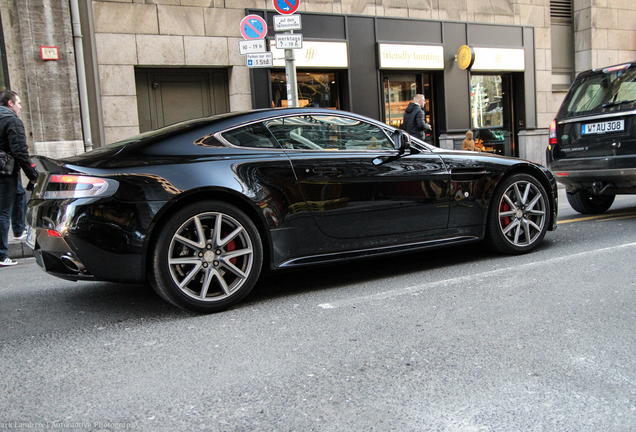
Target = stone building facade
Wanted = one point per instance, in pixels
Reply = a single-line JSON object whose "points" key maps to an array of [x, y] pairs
{"points": [[122, 38], [48, 89]]}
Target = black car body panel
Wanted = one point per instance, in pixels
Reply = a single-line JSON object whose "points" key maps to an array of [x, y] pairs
{"points": [[593, 142], [308, 206]]}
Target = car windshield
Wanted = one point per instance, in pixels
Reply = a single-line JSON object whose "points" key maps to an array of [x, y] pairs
{"points": [[609, 90]]}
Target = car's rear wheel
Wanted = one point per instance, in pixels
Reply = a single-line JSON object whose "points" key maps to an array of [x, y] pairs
{"points": [[586, 203], [207, 257], [518, 215]]}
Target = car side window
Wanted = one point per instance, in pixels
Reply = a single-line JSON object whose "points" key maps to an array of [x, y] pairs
{"points": [[325, 132], [255, 135]]}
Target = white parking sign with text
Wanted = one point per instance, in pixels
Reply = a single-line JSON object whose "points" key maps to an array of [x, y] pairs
{"points": [[289, 41], [251, 46], [287, 22], [259, 60]]}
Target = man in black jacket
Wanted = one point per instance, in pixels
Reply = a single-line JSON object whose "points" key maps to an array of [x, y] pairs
{"points": [[414, 122], [12, 141]]}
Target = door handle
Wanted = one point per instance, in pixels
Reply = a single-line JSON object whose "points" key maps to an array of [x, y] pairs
{"points": [[325, 170]]}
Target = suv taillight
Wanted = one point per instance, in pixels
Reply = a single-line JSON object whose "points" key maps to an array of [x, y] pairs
{"points": [[553, 138]]}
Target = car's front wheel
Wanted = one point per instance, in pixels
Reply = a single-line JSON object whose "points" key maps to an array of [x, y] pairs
{"points": [[586, 203], [518, 215], [207, 257]]}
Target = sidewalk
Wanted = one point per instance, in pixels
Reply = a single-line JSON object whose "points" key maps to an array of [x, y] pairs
{"points": [[18, 249]]}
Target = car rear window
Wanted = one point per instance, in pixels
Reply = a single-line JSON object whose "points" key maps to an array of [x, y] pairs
{"points": [[602, 92], [254, 135]]}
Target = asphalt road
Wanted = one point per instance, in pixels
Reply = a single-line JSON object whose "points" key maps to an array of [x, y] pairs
{"points": [[458, 339]]}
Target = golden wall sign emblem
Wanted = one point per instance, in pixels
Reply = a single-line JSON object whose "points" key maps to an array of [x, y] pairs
{"points": [[465, 56]]}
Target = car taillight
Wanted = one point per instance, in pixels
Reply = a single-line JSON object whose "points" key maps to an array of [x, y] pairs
{"points": [[553, 138], [63, 186]]}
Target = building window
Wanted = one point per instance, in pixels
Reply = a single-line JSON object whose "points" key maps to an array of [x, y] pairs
{"points": [[315, 89], [562, 35], [486, 106]]}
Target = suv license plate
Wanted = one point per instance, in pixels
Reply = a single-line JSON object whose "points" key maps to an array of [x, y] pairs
{"points": [[603, 127]]}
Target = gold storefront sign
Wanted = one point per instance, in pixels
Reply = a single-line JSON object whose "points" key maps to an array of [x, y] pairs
{"points": [[491, 59], [393, 56], [499, 59], [465, 57], [315, 54]]}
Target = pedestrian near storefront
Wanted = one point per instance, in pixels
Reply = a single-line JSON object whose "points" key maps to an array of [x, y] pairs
{"points": [[414, 122], [13, 142]]}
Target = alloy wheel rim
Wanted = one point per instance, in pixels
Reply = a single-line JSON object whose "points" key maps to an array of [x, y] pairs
{"points": [[210, 257], [522, 213]]}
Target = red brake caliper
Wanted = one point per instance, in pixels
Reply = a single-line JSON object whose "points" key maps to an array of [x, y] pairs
{"points": [[229, 248], [505, 221]]}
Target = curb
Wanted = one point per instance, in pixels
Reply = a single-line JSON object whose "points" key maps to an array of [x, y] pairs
{"points": [[18, 249]]}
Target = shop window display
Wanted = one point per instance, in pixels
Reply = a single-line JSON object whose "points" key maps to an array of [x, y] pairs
{"points": [[318, 90], [487, 112]]}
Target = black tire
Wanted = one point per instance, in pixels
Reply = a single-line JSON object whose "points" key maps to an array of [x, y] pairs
{"points": [[518, 216], [585, 203], [207, 257]]}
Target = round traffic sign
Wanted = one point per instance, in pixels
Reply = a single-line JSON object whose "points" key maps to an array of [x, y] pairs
{"points": [[286, 7], [253, 27]]}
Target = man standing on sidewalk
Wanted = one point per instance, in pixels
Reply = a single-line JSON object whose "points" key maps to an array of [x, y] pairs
{"points": [[12, 141], [414, 122]]}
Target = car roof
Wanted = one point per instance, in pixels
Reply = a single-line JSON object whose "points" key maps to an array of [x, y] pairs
{"points": [[608, 68], [227, 120]]}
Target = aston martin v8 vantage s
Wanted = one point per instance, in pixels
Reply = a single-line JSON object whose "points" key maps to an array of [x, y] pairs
{"points": [[201, 208]]}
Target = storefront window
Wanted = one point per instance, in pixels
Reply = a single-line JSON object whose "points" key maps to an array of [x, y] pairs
{"points": [[315, 89], [399, 90], [488, 111]]}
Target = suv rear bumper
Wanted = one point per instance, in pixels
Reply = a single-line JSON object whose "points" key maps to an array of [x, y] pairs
{"points": [[610, 175], [599, 182]]}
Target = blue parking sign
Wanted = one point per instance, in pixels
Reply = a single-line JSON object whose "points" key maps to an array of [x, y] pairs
{"points": [[286, 7], [253, 27]]}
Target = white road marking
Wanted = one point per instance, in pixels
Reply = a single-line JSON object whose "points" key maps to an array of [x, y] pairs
{"points": [[467, 278]]}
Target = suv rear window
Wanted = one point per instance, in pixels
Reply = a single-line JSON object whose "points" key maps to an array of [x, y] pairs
{"points": [[601, 92]]}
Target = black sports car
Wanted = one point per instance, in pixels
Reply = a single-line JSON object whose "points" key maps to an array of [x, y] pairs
{"points": [[199, 209]]}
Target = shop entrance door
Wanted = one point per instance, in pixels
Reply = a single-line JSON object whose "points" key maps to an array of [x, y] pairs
{"points": [[491, 113], [398, 89]]}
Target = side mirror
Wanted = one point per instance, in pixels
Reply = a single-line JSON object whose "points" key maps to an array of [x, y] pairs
{"points": [[402, 141]]}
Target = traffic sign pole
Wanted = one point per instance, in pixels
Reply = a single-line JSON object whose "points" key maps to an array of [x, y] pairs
{"points": [[290, 72], [286, 8]]}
